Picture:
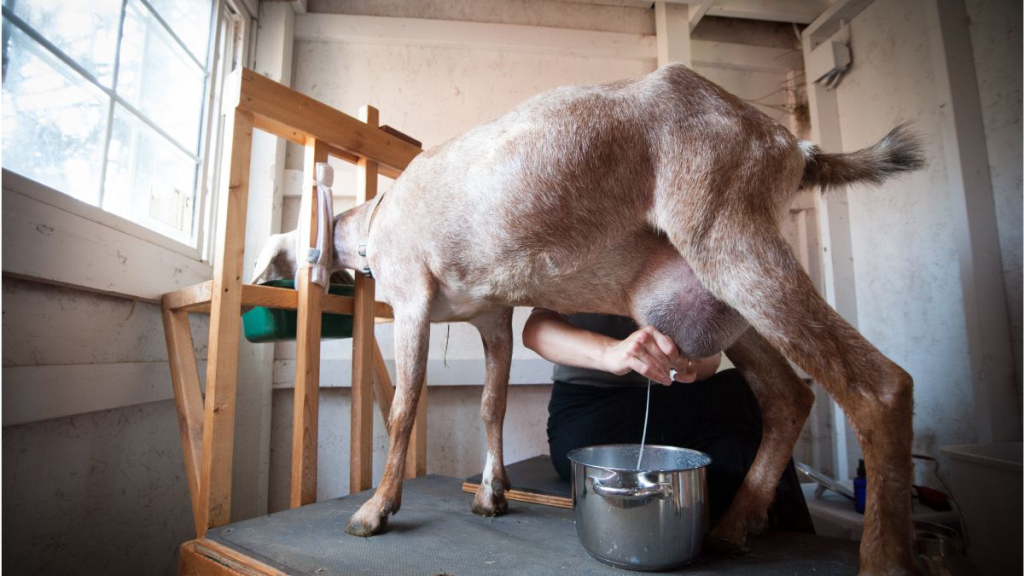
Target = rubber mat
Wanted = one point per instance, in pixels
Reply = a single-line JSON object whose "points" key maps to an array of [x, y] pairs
{"points": [[435, 533]]}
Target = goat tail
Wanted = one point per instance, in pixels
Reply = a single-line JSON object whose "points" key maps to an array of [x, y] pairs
{"points": [[899, 151]]}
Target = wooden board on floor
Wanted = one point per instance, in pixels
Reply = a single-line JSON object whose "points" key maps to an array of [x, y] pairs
{"points": [[533, 480], [521, 496]]}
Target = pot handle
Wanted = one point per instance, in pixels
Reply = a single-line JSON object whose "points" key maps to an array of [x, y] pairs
{"points": [[633, 493]]}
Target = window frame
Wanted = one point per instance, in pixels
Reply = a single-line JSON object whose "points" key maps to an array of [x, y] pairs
{"points": [[108, 237]]}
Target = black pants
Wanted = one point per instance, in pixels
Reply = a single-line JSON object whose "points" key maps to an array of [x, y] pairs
{"points": [[718, 416]]}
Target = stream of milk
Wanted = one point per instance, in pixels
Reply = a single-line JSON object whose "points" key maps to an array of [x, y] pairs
{"points": [[643, 438]]}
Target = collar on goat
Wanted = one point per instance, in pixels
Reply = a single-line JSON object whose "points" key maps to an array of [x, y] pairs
{"points": [[369, 222]]}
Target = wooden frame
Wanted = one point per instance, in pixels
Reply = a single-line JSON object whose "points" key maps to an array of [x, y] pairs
{"points": [[207, 426]]}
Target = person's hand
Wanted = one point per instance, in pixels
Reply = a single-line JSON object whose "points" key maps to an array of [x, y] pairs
{"points": [[648, 353], [685, 370]]}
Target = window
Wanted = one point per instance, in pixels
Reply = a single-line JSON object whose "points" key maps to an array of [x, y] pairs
{"points": [[107, 101]]}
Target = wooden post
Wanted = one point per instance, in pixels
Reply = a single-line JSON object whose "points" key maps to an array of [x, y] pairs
{"points": [[384, 391], [307, 348], [225, 308], [416, 457], [672, 31], [361, 449], [188, 399]]}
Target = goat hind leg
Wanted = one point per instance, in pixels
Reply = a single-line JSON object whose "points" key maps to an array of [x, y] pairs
{"points": [[496, 331], [748, 265], [785, 403], [412, 336]]}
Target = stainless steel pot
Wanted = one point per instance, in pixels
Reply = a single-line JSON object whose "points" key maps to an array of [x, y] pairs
{"points": [[653, 518]]}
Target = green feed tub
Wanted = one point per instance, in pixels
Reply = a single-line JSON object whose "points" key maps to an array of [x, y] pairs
{"points": [[275, 325]]}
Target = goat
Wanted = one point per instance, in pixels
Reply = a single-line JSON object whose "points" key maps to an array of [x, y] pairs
{"points": [[657, 198]]}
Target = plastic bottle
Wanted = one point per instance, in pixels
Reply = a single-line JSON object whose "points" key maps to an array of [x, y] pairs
{"points": [[860, 487]]}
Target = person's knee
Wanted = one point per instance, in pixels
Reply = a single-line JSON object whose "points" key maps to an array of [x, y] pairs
{"points": [[562, 466]]}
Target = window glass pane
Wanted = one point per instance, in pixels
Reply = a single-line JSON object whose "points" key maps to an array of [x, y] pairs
{"points": [[149, 180], [190, 20], [54, 121], [158, 78], [84, 30]]}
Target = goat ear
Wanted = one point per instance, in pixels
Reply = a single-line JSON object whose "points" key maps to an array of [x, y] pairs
{"points": [[277, 259]]}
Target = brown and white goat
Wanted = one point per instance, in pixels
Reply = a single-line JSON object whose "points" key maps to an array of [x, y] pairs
{"points": [[657, 198]]}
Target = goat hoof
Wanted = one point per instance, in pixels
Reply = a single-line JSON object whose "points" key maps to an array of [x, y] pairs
{"points": [[722, 546], [757, 524], [490, 501], [497, 507], [366, 523], [724, 543]]}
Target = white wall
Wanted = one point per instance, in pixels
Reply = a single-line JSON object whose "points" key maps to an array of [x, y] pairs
{"points": [[909, 293], [103, 492], [996, 40]]}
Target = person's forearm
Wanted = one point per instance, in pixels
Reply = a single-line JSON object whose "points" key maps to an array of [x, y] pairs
{"points": [[549, 334], [646, 351]]}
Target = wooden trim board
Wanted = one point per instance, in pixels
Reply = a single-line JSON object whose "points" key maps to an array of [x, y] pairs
{"points": [[197, 299], [296, 117], [306, 406], [204, 557], [531, 497], [534, 39]]}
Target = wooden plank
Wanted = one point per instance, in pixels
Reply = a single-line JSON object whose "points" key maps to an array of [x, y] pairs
{"points": [[204, 557], [729, 56], [672, 24], [830, 20], [416, 457], [531, 497], [306, 407], [353, 159], [285, 298], [399, 134], [697, 12], [383, 389], [36, 393], [222, 367], [474, 35], [191, 297], [197, 299], [384, 392], [298, 118], [798, 11], [592, 44], [361, 449], [188, 400]]}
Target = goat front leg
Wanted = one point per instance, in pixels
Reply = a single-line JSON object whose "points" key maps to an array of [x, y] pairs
{"points": [[496, 331], [785, 403], [412, 337]]}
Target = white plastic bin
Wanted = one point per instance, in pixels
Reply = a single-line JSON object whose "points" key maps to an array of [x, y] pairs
{"points": [[986, 480]]}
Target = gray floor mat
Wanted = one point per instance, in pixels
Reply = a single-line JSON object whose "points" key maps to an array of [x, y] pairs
{"points": [[435, 533]]}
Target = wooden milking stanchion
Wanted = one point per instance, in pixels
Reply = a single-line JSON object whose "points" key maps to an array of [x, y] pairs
{"points": [[361, 447], [207, 425], [307, 345]]}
